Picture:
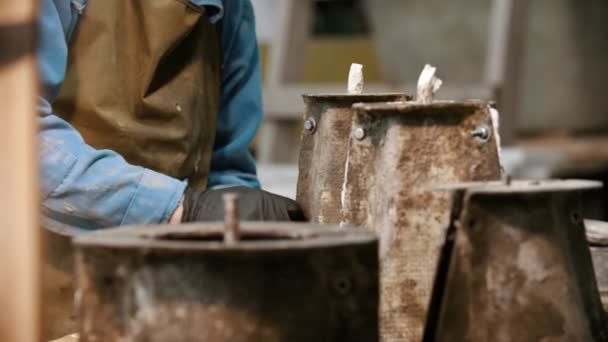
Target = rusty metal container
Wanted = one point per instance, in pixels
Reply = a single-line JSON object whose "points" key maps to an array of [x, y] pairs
{"points": [[324, 143], [276, 282], [397, 153], [516, 267], [597, 236]]}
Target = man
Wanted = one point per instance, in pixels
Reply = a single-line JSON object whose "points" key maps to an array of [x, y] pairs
{"points": [[146, 113]]}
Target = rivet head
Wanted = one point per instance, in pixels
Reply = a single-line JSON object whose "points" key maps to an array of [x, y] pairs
{"points": [[310, 125], [342, 285], [359, 133], [482, 133], [178, 108]]}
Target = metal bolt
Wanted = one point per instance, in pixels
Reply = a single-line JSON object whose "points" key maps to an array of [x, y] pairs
{"points": [[231, 218], [342, 285], [482, 133], [310, 125], [359, 133]]}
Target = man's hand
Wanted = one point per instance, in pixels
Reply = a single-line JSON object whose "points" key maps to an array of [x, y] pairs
{"points": [[254, 205]]}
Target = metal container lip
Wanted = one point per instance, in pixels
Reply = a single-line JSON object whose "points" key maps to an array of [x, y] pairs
{"points": [[522, 186], [597, 233], [419, 108], [206, 237], [355, 98]]}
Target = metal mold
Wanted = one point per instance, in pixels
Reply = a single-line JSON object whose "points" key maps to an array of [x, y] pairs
{"points": [[409, 148], [515, 266], [275, 282], [323, 154], [597, 236]]}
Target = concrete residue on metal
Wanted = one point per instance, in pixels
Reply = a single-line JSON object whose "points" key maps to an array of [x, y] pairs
{"points": [[597, 235], [428, 84], [355, 79], [597, 232], [277, 282], [323, 152], [496, 128], [409, 147], [517, 267]]}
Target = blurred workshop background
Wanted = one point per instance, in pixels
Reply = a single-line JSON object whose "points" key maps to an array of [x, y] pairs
{"points": [[543, 61]]}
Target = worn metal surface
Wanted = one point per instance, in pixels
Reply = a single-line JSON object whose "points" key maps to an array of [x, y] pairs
{"points": [[407, 149], [324, 142], [600, 263], [519, 269], [279, 282], [597, 236], [597, 232]]}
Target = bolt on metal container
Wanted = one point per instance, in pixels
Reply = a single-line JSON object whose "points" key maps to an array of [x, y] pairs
{"points": [[268, 282], [324, 142], [516, 266], [597, 236], [405, 149]]}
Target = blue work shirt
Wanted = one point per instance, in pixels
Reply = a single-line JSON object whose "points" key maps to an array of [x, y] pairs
{"points": [[86, 189]]}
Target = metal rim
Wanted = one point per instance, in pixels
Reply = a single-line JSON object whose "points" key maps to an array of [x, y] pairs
{"points": [[522, 186], [415, 107], [298, 236]]}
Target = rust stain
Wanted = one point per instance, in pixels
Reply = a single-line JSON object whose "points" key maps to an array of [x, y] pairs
{"points": [[310, 283], [408, 150], [520, 271], [323, 153]]}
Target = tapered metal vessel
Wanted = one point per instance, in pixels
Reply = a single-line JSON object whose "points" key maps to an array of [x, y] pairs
{"points": [[324, 142], [397, 153], [278, 282], [516, 267]]}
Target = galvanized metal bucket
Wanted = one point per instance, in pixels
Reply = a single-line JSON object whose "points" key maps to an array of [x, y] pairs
{"points": [[397, 152], [516, 267], [279, 282], [324, 142]]}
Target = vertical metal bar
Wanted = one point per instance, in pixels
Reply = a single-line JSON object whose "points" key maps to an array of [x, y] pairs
{"points": [[20, 247], [231, 218]]}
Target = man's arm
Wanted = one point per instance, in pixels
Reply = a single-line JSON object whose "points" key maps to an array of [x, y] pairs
{"points": [[241, 100], [84, 188]]}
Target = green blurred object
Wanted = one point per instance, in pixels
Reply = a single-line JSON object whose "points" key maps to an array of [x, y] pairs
{"points": [[343, 51]]}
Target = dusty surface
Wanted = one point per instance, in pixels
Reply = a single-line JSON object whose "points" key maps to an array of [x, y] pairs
{"points": [[323, 153], [293, 283], [408, 149], [521, 271], [600, 262]]}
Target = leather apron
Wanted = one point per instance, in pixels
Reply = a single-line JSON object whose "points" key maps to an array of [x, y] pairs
{"points": [[143, 80]]}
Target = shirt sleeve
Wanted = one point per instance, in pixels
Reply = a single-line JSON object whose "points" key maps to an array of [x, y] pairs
{"points": [[83, 188], [241, 99]]}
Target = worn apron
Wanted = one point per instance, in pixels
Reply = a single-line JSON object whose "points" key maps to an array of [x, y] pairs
{"points": [[143, 80]]}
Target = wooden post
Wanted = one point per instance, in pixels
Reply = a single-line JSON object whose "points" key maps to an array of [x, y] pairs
{"points": [[286, 66], [20, 242]]}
